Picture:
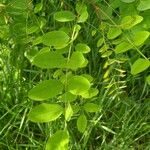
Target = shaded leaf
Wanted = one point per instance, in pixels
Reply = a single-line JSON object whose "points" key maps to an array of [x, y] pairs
{"points": [[128, 1], [81, 123], [148, 79], [144, 5], [91, 107]]}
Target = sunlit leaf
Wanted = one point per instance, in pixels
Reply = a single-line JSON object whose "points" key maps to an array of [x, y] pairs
{"points": [[100, 42], [49, 59], [139, 66], [81, 47], [106, 54], [58, 141], [113, 33], [81, 9], [140, 37], [67, 97], [68, 112], [76, 61], [78, 85], [45, 112], [90, 93], [123, 47], [64, 16], [45, 90], [130, 21], [58, 39]]}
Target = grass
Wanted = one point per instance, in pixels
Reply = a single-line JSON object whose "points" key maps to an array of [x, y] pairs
{"points": [[122, 124]]}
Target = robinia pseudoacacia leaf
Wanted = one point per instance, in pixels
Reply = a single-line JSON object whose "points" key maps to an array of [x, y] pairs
{"points": [[58, 141], [82, 123], [78, 85], [45, 90], [144, 5], [91, 107], [58, 39], [45, 112], [64, 16], [130, 21], [81, 47], [49, 59], [139, 66]]}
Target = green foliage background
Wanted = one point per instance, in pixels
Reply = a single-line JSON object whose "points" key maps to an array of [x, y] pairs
{"points": [[74, 74]]}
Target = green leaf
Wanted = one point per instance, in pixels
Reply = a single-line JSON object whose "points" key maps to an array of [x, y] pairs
{"points": [[68, 97], [78, 85], [64, 16], [58, 39], [81, 9], [130, 21], [68, 112], [38, 7], [91, 107], [139, 66], [106, 54], [30, 54], [123, 47], [140, 37], [113, 33], [75, 108], [45, 112], [58, 141], [81, 47], [81, 123], [90, 93], [83, 17], [128, 1], [32, 29], [144, 5], [89, 77], [49, 59], [76, 61], [100, 42], [148, 79], [45, 90]]}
